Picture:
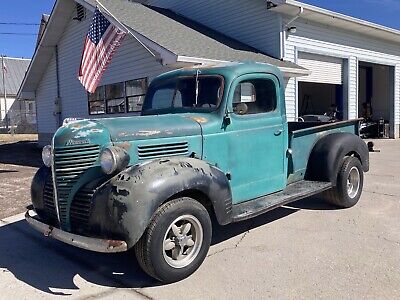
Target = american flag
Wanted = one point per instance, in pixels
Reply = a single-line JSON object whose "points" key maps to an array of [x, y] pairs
{"points": [[102, 40]]}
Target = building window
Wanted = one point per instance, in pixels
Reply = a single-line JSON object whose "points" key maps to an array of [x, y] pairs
{"points": [[115, 98], [96, 102], [135, 92], [118, 97]]}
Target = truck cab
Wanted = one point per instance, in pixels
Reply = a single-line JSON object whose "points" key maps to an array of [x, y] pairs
{"points": [[211, 141]]}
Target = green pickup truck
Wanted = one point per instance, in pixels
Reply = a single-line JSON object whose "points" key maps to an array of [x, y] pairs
{"points": [[212, 143]]}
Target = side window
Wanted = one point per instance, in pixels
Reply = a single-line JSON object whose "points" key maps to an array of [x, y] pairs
{"points": [[254, 97]]}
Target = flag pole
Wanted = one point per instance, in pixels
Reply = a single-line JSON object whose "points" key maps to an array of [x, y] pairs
{"points": [[120, 24]]}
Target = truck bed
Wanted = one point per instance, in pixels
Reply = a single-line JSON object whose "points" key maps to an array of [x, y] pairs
{"points": [[302, 138]]}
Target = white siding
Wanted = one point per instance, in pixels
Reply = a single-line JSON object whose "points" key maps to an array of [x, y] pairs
{"points": [[353, 88], [397, 103], [325, 40], [249, 22], [4, 110], [45, 96], [131, 61]]}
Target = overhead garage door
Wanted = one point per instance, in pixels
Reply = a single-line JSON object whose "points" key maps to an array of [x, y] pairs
{"points": [[324, 69]]}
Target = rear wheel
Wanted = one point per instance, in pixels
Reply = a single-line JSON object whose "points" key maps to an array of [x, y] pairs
{"points": [[176, 242], [349, 185]]}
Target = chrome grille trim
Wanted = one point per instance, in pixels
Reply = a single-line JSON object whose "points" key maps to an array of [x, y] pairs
{"points": [[69, 164], [160, 150], [53, 176]]}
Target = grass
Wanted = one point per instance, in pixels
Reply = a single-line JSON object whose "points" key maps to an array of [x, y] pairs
{"points": [[12, 138]]}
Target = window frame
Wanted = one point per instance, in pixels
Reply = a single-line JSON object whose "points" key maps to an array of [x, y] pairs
{"points": [[220, 77], [250, 78], [125, 98], [135, 95]]}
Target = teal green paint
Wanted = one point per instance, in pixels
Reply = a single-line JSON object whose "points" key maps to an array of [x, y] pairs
{"points": [[248, 148], [303, 141]]}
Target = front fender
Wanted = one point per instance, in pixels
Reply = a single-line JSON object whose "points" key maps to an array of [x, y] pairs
{"points": [[328, 153], [128, 201]]}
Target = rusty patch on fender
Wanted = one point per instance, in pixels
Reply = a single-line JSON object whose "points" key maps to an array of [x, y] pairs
{"points": [[125, 145], [199, 119]]}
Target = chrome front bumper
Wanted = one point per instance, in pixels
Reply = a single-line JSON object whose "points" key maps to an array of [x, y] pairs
{"points": [[92, 244]]}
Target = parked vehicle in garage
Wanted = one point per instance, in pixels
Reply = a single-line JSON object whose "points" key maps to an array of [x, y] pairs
{"points": [[210, 141]]}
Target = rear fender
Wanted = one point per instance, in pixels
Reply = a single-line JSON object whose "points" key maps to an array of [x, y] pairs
{"points": [[328, 153]]}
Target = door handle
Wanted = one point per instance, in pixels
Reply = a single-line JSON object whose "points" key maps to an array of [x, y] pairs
{"points": [[278, 132]]}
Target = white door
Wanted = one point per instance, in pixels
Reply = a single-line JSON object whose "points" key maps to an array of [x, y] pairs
{"points": [[324, 69]]}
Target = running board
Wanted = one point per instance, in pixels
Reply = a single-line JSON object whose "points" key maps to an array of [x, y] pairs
{"points": [[293, 192]]}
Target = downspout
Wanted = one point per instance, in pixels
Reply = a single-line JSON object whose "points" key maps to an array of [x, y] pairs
{"points": [[286, 27], [58, 106]]}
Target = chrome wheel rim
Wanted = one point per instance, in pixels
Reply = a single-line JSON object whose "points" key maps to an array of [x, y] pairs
{"points": [[353, 182], [182, 241]]}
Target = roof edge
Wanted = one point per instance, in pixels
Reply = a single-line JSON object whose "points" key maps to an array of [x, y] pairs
{"points": [[336, 15]]}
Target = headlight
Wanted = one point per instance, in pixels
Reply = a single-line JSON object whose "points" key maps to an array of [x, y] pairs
{"points": [[47, 155], [113, 159]]}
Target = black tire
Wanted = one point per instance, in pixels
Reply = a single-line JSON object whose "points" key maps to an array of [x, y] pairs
{"points": [[339, 195], [149, 249]]}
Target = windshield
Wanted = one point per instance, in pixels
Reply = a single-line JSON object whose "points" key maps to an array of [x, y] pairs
{"points": [[184, 94]]}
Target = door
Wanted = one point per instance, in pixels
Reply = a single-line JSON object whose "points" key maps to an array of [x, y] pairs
{"points": [[257, 137], [324, 69]]}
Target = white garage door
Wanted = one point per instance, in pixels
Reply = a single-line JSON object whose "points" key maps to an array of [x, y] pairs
{"points": [[324, 69]]}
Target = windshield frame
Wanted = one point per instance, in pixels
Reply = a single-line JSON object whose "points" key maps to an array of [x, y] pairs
{"points": [[173, 110]]}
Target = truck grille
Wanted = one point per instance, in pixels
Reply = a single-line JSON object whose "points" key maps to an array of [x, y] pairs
{"points": [[153, 151], [48, 199], [69, 164], [80, 210]]}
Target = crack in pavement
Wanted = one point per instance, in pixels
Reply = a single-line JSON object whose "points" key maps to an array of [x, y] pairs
{"points": [[231, 248], [383, 194]]}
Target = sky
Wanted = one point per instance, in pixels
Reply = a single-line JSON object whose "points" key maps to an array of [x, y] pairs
{"points": [[385, 12]]}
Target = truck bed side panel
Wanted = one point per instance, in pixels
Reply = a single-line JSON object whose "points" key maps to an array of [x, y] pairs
{"points": [[302, 141]]}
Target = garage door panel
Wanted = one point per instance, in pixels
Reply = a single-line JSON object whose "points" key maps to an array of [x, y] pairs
{"points": [[324, 69]]}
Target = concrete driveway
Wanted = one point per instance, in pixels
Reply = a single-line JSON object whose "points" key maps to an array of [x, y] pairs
{"points": [[307, 250]]}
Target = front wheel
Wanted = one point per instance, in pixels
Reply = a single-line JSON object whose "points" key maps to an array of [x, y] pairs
{"points": [[176, 241], [349, 184]]}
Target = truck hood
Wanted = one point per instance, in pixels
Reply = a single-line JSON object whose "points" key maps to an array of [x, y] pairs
{"points": [[149, 127]]}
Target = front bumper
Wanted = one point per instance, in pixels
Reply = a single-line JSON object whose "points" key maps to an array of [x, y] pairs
{"points": [[87, 243]]}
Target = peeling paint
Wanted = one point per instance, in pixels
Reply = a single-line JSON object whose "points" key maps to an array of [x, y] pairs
{"points": [[198, 119], [147, 132]]}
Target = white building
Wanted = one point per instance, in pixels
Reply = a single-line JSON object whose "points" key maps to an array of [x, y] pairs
{"points": [[327, 58], [10, 109]]}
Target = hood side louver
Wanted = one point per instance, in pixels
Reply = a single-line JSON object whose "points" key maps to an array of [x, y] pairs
{"points": [[162, 150]]}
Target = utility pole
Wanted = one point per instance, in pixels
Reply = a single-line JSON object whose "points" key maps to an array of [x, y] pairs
{"points": [[3, 69], [2, 72]]}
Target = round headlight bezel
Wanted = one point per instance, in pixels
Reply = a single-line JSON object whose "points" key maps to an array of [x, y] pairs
{"points": [[108, 161], [47, 156]]}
